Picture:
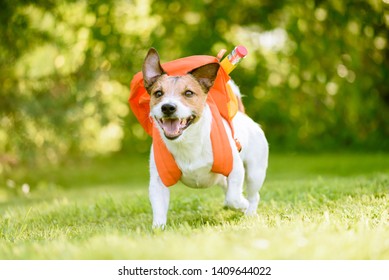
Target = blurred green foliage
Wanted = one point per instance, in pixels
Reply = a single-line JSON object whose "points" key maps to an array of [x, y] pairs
{"points": [[316, 77]]}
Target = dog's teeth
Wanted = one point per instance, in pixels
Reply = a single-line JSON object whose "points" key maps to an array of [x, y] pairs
{"points": [[183, 122]]}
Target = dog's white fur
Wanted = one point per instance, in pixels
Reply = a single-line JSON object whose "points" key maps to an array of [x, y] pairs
{"points": [[193, 154]]}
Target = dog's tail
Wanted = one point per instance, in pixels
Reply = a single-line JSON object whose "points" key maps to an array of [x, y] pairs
{"points": [[235, 89]]}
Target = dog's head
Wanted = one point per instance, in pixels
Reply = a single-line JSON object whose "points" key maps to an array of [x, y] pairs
{"points": [[176, 102]]}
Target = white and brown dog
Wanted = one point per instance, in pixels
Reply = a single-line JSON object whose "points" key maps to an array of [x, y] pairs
{"points": [[178, 106]]}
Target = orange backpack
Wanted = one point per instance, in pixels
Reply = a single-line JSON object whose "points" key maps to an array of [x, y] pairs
{"points": [[223, 105]]}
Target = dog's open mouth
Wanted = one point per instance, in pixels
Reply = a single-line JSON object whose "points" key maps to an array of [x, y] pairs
{"points": [[174, 127]]}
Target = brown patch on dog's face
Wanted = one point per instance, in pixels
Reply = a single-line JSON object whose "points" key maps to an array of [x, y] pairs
{"points": [[183, 89], [176, 102]]}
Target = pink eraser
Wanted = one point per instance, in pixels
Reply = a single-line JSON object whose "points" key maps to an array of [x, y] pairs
{"points": [[241, 51]]}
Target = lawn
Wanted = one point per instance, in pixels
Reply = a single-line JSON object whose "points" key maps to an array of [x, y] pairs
{"points": [[327, 206]]}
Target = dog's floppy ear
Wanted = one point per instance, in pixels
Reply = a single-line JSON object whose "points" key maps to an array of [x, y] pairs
{"points": [[151, 68], [206, 74]]}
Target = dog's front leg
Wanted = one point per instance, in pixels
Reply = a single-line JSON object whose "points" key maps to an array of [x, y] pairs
{"points": [[234, 193], [159, 196]]}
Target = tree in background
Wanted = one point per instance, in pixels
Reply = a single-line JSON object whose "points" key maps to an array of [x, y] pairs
{"points": [[65, 70], [316, 76]]}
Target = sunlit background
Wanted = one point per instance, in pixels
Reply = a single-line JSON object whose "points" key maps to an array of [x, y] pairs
{"points": [[316, 76]]}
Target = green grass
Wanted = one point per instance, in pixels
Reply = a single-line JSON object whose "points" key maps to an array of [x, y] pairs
{"points": [[330, 206]]}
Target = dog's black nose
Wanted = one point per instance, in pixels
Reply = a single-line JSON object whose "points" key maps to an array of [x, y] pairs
{"points": [[168, 108]]}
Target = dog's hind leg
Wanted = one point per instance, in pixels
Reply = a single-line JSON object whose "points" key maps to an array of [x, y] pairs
{"points": [[234, 193], [256, 166], [254, 183]]}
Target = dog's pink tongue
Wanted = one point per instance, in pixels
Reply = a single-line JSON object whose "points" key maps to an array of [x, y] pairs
{"points": [[171, 127]]}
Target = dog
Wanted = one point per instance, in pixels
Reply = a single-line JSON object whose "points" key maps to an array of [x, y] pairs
{"points": [[179, 109]]}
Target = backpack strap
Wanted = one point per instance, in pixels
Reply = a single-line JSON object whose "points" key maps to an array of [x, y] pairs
{"points": [[167, 168], [221, 148]]}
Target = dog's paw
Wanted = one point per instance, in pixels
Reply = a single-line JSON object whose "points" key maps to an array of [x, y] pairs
{"points": [[159, 227], [251, 212], [241, 204]]}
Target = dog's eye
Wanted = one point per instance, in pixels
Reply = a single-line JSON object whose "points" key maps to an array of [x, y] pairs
{"points": [[189, 93], [158, 93]]}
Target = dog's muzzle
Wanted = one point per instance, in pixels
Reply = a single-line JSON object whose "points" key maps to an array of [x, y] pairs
{"points": [[171, 125]]}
